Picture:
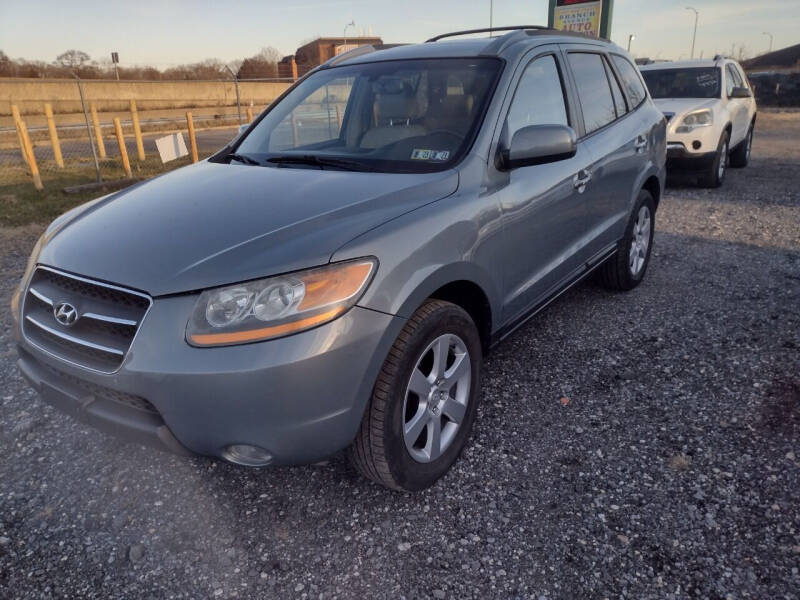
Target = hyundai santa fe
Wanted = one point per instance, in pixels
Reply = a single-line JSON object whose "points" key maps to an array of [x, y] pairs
{"points": [[332, 278]]}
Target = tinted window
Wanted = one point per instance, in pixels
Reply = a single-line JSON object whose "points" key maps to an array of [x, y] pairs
{"points": [[539, 99], [683, 83], [593, 90], [630, 79], [619, 99]]}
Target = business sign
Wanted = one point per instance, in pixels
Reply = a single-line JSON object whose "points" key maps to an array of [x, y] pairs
{"points": [[580, 16]]}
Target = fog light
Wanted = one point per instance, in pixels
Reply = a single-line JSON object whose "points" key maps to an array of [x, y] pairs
{"points": [[247, 455], [696, 144]]}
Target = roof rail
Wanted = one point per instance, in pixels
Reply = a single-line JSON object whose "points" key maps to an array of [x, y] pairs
{"points": [[484, 30], [332, 62]]}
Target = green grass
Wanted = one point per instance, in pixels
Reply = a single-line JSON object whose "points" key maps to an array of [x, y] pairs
{"points": [[21, 203]]}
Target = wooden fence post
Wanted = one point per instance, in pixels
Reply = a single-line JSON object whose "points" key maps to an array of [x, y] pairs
{"points": [[192, 140], [98, 132], [123, 151], [51, 126], [37, 180], [136, 130], [18, 127]]}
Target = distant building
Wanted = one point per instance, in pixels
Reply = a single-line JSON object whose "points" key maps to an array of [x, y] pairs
{"points": [[786, 60], [318, 51]]}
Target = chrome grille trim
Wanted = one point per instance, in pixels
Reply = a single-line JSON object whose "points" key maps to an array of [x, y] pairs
{"points": [[109, 319], [108, 323], [73, 339]]}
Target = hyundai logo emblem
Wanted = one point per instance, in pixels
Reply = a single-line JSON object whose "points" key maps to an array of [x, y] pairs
{"points": [[65, 313]]}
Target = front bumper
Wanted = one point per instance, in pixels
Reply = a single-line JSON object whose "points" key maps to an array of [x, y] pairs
{"points": [[300, 398], [682, 159]]}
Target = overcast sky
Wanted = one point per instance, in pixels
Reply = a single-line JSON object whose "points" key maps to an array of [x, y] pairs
{"points": [[168, 32]]}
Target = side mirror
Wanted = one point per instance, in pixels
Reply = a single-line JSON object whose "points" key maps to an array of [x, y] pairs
{"points": [[239, 131], [741, 92], [537, 145]]}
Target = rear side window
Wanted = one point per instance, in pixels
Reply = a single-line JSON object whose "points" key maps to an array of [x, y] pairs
{"points": [[619, 99], [630, 79], [539, 99], [593, 90]]}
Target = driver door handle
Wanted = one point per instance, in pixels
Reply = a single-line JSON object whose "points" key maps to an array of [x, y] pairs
{"points": [[580, 180]]}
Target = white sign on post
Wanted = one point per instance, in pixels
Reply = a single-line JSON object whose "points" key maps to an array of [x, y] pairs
{"points": [[171, 147]]}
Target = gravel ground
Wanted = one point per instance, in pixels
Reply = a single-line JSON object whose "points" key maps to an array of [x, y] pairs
{"points": [[641, 445]]}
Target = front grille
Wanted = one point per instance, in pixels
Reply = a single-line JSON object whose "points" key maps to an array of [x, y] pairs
{"points": [[107, 319], [100, 392]]}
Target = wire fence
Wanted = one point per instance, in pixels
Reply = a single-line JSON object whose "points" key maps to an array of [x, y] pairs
{"points": [[56, 134]]}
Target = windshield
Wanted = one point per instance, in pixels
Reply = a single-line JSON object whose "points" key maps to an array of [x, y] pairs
{"points": [[396, 116], [700, 82]]}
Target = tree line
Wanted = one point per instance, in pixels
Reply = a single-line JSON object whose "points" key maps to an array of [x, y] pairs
{"points": [[264, 64]]}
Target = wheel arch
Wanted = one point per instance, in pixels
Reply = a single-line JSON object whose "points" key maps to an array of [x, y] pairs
{"points": [[653, 185], [465, 285]]}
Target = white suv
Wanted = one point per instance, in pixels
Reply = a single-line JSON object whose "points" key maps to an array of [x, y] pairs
{"points": [[710, 112]]}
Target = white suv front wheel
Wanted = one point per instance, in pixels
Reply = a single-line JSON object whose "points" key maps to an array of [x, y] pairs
{"points": [[715, 175]]}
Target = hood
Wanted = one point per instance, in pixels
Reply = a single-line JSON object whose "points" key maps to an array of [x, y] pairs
{"points": [[213, 224], [681, 106]]}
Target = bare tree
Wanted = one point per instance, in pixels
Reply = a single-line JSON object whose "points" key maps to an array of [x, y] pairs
{"points": [[72, 59], [262, 65]]}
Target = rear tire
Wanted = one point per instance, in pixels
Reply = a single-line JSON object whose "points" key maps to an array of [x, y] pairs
{"points": [[741, 156], [715, 176], [625, 269], [408, 440]]}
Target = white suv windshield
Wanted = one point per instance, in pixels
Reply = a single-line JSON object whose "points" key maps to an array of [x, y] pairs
{"points": [[393, 116], [697, 82]]}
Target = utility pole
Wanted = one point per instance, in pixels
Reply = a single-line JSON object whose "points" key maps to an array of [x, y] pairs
{"points": [[491, 11], [631, 37], [344, 33], [694, 35], [236, 85], [770, 39]]}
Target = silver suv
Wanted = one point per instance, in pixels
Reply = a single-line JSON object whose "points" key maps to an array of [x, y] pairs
{"points": [[333, 277]]}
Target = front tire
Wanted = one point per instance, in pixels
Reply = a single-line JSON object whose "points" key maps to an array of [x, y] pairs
{"points": [[741, 156], [424, 401], [625, 269], [715, 176]]}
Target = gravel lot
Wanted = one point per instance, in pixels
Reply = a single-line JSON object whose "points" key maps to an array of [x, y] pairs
{"points": [[641, 445]]}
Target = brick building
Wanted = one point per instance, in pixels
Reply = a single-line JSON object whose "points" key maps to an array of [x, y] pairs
{"points": [[318, 51]]}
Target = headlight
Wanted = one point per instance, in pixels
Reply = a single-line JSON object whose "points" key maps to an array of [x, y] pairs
{"points": [[698, 118], [278, 306], [32, 260]]}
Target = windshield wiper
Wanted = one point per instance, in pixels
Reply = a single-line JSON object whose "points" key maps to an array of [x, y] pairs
{"points": [[319, 161], [244, 159]]}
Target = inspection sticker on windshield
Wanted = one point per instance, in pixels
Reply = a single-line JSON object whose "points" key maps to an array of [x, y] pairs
{"points": [[420, 154]]}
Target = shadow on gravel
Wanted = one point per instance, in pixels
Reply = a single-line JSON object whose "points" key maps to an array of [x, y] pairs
{"points": [[780, 409]]}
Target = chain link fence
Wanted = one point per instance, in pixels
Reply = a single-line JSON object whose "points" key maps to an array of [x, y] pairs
{"points": [[77, 130]]}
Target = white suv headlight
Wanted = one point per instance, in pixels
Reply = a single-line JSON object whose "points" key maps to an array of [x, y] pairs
{"points": [[698, 118], [278, 306]]}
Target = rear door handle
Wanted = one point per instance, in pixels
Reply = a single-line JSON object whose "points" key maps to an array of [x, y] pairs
{"points": [[640, 143], [580, 180]]}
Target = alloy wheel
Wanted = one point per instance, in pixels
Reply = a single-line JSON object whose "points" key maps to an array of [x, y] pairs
{"points": [[436, 398], [641, 241], [723, 162]]}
